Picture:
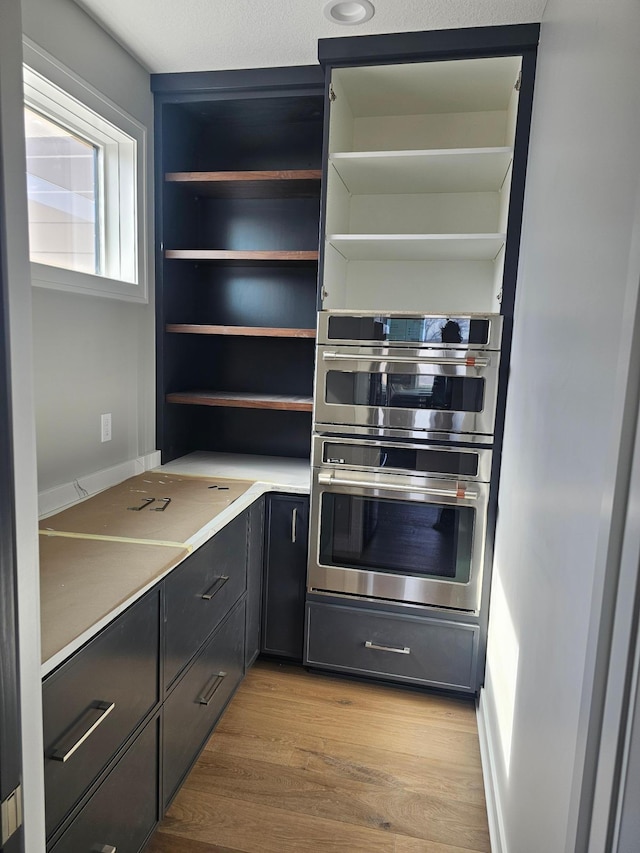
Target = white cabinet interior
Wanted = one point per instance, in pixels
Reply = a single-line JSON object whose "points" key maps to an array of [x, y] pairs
{"points": [[418, 182]]}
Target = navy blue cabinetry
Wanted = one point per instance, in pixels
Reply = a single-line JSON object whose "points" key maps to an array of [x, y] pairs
{"points": [[285, 571], [239, 164]]}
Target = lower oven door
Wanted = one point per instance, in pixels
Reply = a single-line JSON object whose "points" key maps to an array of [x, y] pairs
{"points": [[412, 540]]}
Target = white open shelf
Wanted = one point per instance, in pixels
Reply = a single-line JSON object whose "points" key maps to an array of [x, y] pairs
{"points": [[426, 171], [417, 247], [418, 185]]}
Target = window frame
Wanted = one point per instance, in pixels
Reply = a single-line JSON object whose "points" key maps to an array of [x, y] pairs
{"points": [[53, 90]]}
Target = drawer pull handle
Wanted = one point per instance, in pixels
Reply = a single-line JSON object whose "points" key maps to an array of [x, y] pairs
{"points": [[405, 650], [294, 524], [208, 696], [104, 848], [91, 719], [216, 587]]}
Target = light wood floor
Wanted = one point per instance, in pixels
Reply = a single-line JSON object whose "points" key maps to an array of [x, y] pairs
{"points": [[305, 762]]}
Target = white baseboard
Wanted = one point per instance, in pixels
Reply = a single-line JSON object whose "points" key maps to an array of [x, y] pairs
{"points": [[487, 757], [60, 497]]}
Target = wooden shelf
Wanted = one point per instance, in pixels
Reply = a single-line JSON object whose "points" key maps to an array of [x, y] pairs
{"points": [[241, 400], [449, 170], [240, 255], [417, 247], [299, 183], [242, 331]]}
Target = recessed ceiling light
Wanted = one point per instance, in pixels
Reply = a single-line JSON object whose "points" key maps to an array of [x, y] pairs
{"points": [[349, 11]]}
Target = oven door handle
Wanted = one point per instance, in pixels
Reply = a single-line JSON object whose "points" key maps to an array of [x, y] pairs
{"points": [[459, 493], [470, 361]]}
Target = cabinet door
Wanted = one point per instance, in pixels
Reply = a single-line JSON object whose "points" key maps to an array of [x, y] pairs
{"points": [[255, 563], [285, 575], [122, 813]]}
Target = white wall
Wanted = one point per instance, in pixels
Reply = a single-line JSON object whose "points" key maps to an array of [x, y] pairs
{"points": [[92, 355], [582, 187]]}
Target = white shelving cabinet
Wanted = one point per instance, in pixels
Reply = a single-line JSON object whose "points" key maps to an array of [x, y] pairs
{"points": [[419, 171]]}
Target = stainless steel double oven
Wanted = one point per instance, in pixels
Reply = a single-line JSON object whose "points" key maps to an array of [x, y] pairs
{"points": [[404, 414]]}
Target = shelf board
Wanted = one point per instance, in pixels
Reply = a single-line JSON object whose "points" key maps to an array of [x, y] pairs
{"points": [[417, 247], [298, 183], [431, 171], [242, 400], [243, 331], [466, 85], [249, 256]]}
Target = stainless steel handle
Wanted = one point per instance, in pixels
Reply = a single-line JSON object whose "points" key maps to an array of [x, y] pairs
{"points": [[405, 650], [208, 696], [104, 848], [89, 722], [458, 494], [294, 522], [473, 361], [215, 588]]}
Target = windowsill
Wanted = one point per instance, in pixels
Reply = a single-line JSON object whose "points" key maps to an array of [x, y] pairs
{"points": [[71, 281]]}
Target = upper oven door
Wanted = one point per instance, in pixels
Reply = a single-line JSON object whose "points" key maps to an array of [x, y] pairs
{"points": [[415, 540], [442, 391]]}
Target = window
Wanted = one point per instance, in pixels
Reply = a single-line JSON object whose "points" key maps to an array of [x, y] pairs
{"points": [[63, 188], [85, 185]]}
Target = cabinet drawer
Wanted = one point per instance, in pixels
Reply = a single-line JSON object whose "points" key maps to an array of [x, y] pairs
{"points": [[124, 810], [95, 701], [201, 591], [197, 701], [402, 648]]}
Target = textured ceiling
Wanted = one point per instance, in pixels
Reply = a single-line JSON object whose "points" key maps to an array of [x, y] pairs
{"points": [[203, 35]]}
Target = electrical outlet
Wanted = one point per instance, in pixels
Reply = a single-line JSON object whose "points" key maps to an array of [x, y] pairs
{"points": [[105, 427]]}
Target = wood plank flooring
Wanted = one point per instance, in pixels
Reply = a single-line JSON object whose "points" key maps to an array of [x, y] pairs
{"points": [[306, 762]]}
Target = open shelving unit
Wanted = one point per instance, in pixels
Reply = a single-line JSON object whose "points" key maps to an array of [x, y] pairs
{"points": [[418, 184], [240, 176]]}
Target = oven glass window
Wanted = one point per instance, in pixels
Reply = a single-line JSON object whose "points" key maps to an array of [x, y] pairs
{"points": [[406, 391], [409, 538]]}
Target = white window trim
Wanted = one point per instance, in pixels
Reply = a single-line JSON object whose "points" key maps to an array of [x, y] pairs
{"points": [[131, 235]]}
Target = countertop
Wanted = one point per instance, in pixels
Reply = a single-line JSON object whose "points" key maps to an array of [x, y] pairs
{"points": [[95, 562]]}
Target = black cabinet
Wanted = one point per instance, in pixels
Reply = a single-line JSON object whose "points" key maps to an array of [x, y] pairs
{"points": [[123, 812], [195, 704], [436, 652], [95, 701], [285, 571], [113, 750], [239, 159], [200, 592], [255, 560]]}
